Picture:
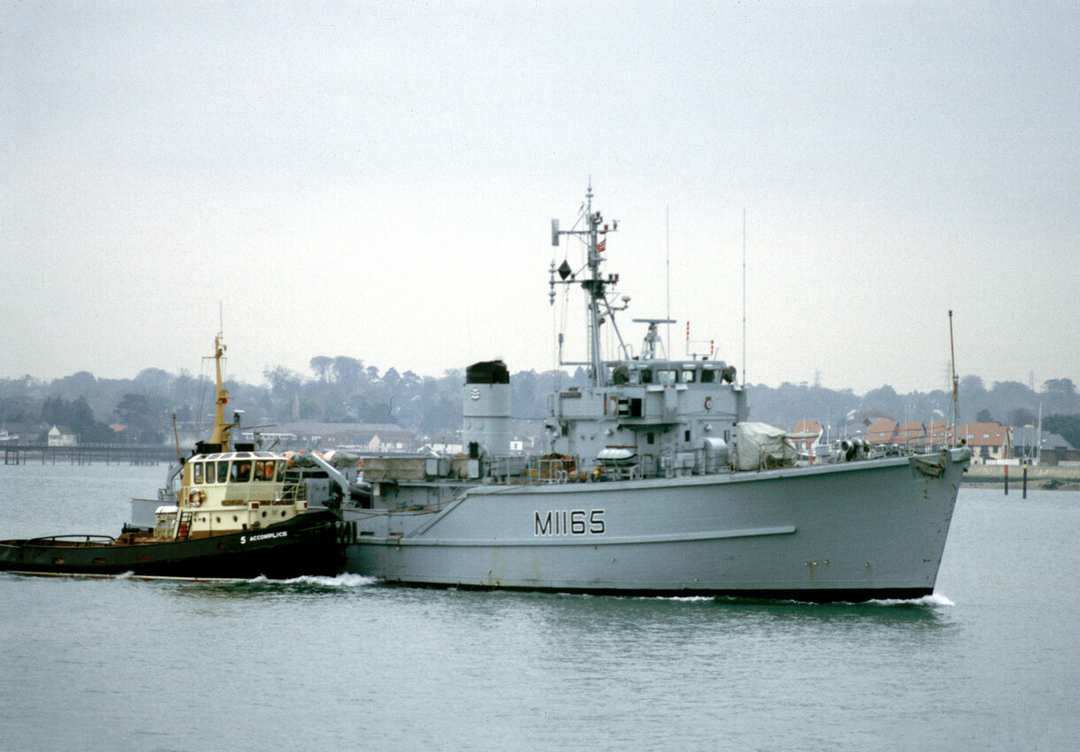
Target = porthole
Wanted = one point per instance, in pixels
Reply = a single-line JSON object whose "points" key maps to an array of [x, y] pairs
{"points": [[282, 514], [234, 518], [264, 514], [218, 520]]}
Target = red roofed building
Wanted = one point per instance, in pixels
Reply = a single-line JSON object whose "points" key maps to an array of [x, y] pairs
{"points": [[911, 435], [882, 432], [940, 435], [988, 441]]}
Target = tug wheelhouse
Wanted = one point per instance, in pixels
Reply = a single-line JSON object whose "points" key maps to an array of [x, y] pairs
{"points": [[231, 491]]}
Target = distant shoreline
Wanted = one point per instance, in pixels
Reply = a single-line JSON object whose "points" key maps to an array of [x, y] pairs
{"points": [[1061, 478]]}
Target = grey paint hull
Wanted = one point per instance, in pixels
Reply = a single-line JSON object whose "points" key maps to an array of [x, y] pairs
{"points": [[852, 531]]}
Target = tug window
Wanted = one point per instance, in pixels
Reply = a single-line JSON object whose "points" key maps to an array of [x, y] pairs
{"points": [[241, 471], [196, 472], [688, 377], [209, 472], [264, 470], [222, 472], [708, 376], [280, 471]]}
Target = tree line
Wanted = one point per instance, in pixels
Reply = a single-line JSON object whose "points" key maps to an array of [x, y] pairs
{"points": [[1010, 403], [344, 390], [337, 390]]}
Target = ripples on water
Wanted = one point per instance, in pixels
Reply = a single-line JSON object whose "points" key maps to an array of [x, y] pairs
{"points": [[988, 662]]}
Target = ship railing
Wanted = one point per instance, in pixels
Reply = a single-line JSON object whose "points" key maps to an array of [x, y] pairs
{"points": [[553, 469], [616, 471], [291, 493], [507, 468], [71, 540], [241, 494]]}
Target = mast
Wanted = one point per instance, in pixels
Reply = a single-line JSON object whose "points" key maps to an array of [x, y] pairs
{"points": [[221, 427], [595, 287], [595, 284], [955, 385]]}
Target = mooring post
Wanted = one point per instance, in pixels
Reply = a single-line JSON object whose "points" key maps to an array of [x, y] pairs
{"points": [[1024, 494], [1006, 480]]}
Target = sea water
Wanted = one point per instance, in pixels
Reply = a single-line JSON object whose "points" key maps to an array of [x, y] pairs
{"points": [[991, 661]]}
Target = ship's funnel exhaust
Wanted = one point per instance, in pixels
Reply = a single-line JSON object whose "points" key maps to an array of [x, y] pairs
{"points": [[486, 429]]}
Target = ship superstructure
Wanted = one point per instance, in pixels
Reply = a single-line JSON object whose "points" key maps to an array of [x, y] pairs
{"points": [[226, 489]]}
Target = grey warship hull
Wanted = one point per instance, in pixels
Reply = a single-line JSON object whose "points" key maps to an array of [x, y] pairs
{"points": [[653, 481], [856, 531]]}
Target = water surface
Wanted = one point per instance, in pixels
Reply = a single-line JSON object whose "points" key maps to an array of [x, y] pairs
{"points": [[990, 662]]}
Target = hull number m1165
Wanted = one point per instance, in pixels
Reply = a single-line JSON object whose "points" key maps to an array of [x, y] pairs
{"points": [[569, 522]]}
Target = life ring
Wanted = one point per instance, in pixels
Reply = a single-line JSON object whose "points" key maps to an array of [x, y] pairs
{"points": [[195, 498], [708, 403], [613, 405]]}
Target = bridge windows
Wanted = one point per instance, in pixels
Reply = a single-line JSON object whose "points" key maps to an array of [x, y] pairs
{"points": [[241, 471]]}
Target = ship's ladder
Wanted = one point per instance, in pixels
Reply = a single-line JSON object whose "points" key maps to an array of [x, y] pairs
{"points": [[183, 528]]}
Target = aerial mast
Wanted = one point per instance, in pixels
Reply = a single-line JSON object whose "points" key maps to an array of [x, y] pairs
{"points": [[595, 285], [222, 428], [955, 385]]}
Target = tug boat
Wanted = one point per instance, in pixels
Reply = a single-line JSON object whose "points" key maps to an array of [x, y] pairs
{"points": [[236, 515]]}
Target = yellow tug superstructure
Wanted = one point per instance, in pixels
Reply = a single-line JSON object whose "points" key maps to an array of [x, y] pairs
{"points": [[224, 491]]}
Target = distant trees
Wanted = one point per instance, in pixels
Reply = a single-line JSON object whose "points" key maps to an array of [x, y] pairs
{"points": [[144, 418], [320, 364], [345, 389], [77, 416], [1059, 396], [19, 409], [1022, 416], [1008, 401], [1065, 426], [886, 400]]}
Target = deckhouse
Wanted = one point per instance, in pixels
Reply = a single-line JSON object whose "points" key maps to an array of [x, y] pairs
{"points": [[223, 490]]}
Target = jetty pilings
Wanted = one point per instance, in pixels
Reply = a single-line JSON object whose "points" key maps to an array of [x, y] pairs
{"points": [[87, 454]]}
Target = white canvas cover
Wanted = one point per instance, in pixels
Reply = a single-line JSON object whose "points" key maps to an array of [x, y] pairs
{"points": [[759, 446]]}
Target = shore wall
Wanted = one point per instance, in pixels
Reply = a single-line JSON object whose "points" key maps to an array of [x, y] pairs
{"points": [[1037, 476]]}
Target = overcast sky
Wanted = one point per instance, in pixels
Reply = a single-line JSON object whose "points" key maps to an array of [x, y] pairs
{"points": [[377, 180]]}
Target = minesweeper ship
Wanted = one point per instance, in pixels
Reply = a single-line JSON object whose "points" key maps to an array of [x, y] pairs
{"points": [[655, 484]]}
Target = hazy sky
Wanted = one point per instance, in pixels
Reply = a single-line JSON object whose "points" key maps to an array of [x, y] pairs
{"points": [[377, 180]]}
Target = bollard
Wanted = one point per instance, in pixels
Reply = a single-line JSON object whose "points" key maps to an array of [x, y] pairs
{"points": [[1006, 480], [1024, 494]]}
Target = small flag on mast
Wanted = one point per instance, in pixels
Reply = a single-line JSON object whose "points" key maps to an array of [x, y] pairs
{"points": [[601, 246]]}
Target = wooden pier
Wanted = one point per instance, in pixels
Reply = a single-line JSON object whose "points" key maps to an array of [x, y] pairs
{"points": [[87, 454]]}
